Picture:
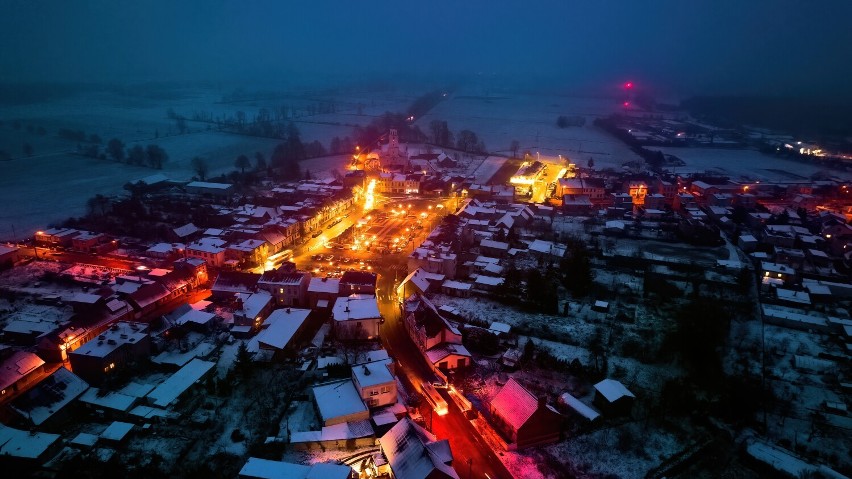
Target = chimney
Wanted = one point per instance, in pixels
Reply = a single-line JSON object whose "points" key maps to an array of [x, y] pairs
{"points": [[366, 371]]}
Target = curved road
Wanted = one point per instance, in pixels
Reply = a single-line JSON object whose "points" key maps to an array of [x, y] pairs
{"points": [[465, 441]]}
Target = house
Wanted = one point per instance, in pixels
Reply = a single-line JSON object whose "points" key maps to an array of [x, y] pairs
{"points": [[252, 309], [211, 250], [747, 243], [185, 233], [592, 188], [419, 281], [250, 251], [577, 205], [47, 401], [322, 292], [280, 331], [522, 418], [8, 256], [55, 237], [778, 271], [375, 382], [220, 190], [115, 349], [440, 341], [579, 407], [229, 283], [449, 356], [169, 391], [357, 282], [18, 371], [289, 288], [612, 397], [495, 249], [185, 316], [338, 402], [414, 453], [356, 317], [257, 468], [456, 288]]}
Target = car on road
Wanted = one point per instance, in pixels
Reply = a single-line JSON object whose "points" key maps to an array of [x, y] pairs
{"points": [[317, 234]]}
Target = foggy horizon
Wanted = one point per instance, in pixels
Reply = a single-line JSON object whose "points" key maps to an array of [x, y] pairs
{"points": [[783, 48]]}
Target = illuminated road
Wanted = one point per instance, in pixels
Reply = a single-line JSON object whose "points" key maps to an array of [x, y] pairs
{"points": [[465, 442]]}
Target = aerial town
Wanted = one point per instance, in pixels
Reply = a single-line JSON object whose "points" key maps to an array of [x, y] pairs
{"points": [[432, 310]]}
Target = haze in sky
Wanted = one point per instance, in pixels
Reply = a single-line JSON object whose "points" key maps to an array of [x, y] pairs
{"points": [[793, 47]]}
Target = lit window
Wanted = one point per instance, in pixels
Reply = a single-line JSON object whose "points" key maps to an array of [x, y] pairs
{"points": [[112, 365]]}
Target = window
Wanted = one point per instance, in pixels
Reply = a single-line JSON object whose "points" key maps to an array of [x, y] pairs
{"points": [[374, 392], [385, 389]]}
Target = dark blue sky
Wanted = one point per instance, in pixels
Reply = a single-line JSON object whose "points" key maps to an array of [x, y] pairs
{"points": [[686, 46]]}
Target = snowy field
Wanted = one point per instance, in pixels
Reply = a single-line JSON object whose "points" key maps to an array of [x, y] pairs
{"points": [[531, 119], [744, 164]]}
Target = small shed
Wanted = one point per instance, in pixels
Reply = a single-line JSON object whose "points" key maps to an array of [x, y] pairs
{"points": [[613, 398]]}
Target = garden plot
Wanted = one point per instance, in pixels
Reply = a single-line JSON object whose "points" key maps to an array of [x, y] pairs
{"points": [[639, 449]]}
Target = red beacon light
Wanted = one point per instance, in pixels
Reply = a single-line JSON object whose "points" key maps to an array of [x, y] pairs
{"points": [[628, 85], [626, 104]]}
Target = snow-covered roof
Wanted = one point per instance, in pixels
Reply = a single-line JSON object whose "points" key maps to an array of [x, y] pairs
{"points": [[267, 469], [440, 352], [494, 244], [337, 399], [453, 284], [514, 403], [185, 230], [612, 390], [110, 400], [281, 326], [16, 366], [24, 444], [579, 407], [170, 389], [50, 395], [208, 185], [373, 374], [549, 247], [411, 454], [116, 336], [498, 327], [355, 307], [117, 431], [488, 280], [195, 316], [254, 303], [324, 285]]}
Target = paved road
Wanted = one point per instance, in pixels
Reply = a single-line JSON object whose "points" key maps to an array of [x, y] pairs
{"points": [[465, 441]]}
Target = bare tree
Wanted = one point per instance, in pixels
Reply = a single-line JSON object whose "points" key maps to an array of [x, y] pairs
{"points": [[242, 163], [200, 167]]}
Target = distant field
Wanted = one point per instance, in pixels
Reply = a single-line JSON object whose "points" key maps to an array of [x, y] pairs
{"points": [[531, 120], [55, 184]]}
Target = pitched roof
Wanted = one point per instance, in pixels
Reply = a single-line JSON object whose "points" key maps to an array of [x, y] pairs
{"points": [[514, 403], [612, 390], [17, 366], [413, 452]]}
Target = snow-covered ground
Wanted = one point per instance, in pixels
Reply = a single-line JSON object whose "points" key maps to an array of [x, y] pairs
{"points": [[531, 119], [746, 164]]}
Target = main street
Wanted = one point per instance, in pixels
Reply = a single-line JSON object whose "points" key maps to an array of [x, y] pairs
{"points": [[382, 238], [472, 457]]}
